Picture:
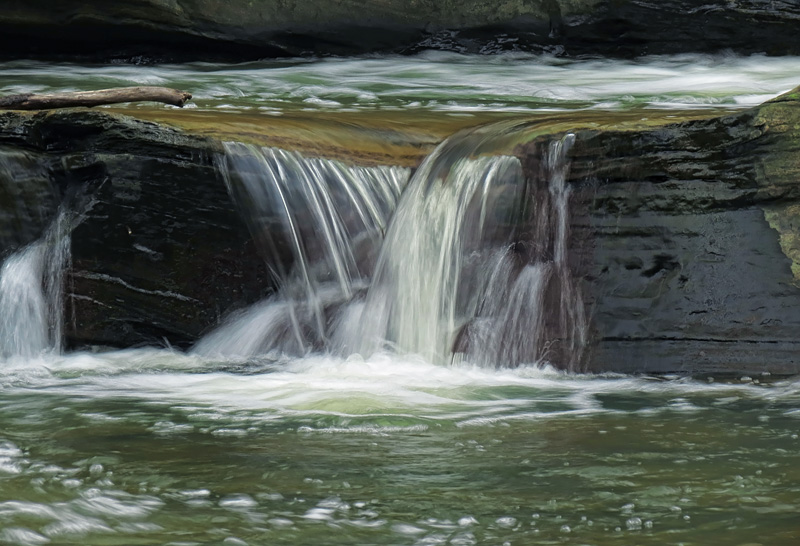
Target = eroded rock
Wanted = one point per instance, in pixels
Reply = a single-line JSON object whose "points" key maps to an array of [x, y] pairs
{"points": [[685, 238], [161, 251]]}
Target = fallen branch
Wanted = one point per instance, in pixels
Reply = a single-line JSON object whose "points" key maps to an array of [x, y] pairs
{"points": [[31, 101]]}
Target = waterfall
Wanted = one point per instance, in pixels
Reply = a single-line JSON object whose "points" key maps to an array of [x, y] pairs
{"points": [[533, 311], [474, 265], [31, 293], [420, 293], [320, 223]]}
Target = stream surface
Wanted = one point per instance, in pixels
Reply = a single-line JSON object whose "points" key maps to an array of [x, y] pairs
{"points": [[436, 81], [158, 447]]}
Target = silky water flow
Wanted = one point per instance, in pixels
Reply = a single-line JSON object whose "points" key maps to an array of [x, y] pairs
{"points": [[354, 437], [331, 217], [471, 259]]}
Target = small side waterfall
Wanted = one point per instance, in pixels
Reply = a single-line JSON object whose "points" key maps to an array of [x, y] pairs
{"points": [[321, 224], [31, 294]]}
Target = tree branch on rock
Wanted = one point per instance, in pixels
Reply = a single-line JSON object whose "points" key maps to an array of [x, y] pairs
{"points": [[48, 101]]}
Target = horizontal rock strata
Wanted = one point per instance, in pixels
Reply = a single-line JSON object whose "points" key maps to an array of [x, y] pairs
{"points": [[685, 237], [161, 252]]}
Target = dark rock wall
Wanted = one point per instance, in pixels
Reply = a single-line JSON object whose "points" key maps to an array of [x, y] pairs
{"points": [[161, 252], [642, 27], [28, 196], [683, 236], [187, 29]]}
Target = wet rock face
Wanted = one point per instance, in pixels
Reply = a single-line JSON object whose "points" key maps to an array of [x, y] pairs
{"points": [[162, 29], [641, 27], [161, 251], [684, 238], [29, 198]]}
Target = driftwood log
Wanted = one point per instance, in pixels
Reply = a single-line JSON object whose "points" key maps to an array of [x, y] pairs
{"points": [[31, 101]]}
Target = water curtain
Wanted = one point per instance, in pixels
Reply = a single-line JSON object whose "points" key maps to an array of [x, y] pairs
{"points": [[322, 223], [474, 265]]}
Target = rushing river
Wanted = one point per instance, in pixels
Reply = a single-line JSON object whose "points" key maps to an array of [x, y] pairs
{"points": [[155, 446], [436, 81]]}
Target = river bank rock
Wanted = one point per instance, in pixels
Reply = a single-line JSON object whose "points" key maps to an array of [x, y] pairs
{"points": [[686, 240], [160, 252], [160, 30]]}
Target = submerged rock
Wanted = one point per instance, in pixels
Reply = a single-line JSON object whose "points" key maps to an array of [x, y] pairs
{"points": [[190, 29]]}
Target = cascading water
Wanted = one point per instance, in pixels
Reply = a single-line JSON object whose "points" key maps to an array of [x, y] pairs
{"points": [[474, 264], [326, 220], [31, 293], [482, 268], [419, 295], [532, 310]]}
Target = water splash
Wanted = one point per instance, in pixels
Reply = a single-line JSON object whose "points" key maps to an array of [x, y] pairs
{"points": [[31, 294], [320, 224]]}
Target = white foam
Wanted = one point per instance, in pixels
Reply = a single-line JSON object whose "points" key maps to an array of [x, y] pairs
{"points": [[384, 394]]}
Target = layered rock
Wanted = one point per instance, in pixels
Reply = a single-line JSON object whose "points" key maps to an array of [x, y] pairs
{"points": [[169, 29], [160, 252], [685, 237]]}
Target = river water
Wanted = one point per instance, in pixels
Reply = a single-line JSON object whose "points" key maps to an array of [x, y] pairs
{"points": [[155, 446], [437, 81]]}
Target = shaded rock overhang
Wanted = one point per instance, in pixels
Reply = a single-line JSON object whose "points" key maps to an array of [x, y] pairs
{"points": [[163, 30]]}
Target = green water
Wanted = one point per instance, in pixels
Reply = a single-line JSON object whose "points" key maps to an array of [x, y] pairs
{"points": [[442, 82], [152, 447]]}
